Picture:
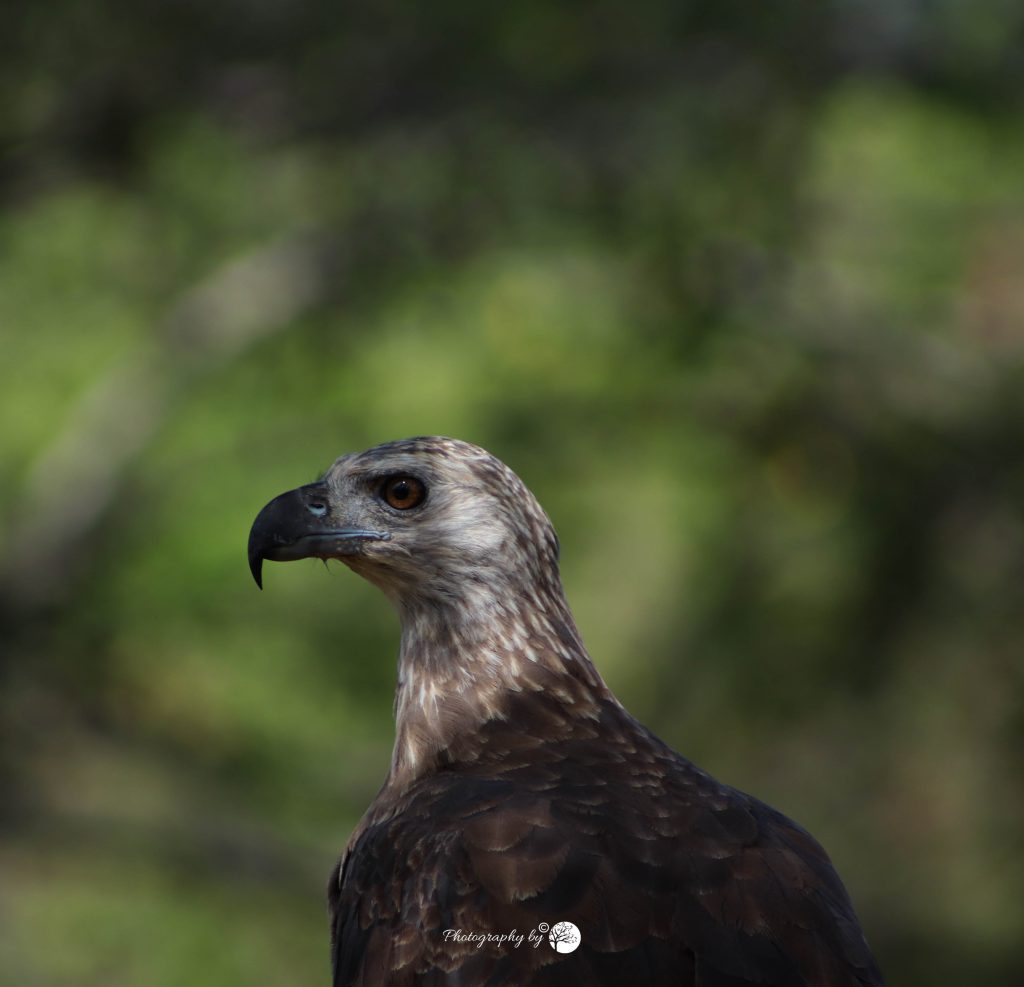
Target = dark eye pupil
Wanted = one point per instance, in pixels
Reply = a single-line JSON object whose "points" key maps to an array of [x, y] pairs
{"points": [[400, 491]]}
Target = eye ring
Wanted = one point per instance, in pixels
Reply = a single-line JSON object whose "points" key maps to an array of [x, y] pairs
{"points": [[403, 492]]}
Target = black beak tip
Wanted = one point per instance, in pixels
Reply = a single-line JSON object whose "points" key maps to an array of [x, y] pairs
{"points": [[255, 552], [256, 568]]}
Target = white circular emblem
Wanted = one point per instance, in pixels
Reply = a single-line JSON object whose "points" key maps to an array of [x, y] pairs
{"points": [[564, 937]]}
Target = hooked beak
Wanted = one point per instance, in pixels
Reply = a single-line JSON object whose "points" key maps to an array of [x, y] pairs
{"points": [[299, 525]]}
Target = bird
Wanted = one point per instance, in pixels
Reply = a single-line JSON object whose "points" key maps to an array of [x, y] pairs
{"points": [[530, 830]]}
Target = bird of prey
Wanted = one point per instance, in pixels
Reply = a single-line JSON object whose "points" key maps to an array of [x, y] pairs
{"points": [[530, 831]]}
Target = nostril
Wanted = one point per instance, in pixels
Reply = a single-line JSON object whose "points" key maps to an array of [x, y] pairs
{"points": [[317, 509]]}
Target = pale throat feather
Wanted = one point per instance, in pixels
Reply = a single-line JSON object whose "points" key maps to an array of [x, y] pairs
{"points": [[462, 659]]}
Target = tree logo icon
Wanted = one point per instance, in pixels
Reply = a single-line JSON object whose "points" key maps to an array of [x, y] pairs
{"points": [[564, 937]]}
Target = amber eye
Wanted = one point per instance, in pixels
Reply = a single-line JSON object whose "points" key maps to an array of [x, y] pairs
{"points": [[403, 492]]}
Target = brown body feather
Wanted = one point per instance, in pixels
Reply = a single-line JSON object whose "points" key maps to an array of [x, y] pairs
{"points": [[521, 792]]}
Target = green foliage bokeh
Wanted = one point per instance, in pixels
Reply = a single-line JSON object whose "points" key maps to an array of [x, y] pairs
{"points": [[739, 294]]}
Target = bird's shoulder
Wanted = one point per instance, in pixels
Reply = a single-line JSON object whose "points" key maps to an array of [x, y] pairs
{"points": [[661, 867]]}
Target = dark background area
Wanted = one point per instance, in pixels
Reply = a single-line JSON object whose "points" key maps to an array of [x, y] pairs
{"points": [[737, 288]]}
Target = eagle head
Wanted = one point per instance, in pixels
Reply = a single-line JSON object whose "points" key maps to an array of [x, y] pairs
{"points": [[428, 518]]}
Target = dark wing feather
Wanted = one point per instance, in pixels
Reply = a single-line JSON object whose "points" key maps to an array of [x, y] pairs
{"points": [[671, 877]]}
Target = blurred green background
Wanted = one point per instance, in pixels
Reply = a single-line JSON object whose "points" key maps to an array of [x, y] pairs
{"points": [[738, 289]]}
